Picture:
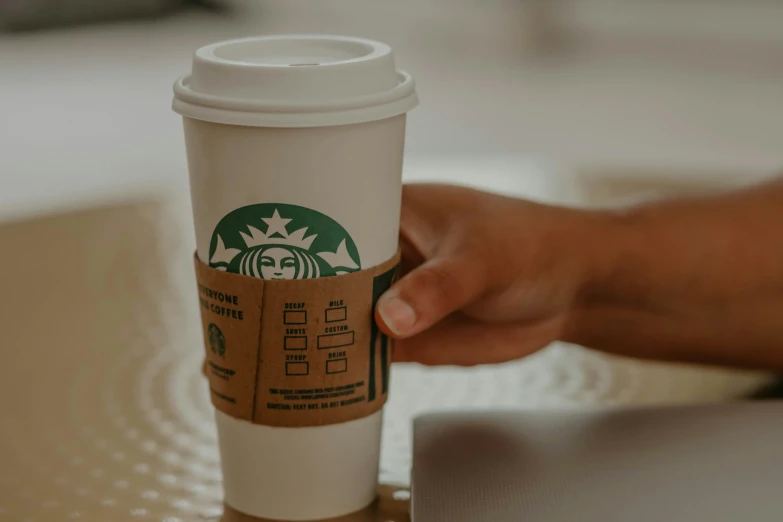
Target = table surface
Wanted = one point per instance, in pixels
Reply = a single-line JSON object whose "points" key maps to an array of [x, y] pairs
{"points": [[105, 412]]}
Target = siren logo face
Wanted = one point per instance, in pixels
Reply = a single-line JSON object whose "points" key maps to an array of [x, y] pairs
{"points": [[279, 241], [217, 342]]}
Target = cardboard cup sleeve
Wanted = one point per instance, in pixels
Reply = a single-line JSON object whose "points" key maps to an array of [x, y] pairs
{"points": [[294, 353]]}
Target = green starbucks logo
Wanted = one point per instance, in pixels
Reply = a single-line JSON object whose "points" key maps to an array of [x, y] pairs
{"points": [[217, 342], [279, 241]]}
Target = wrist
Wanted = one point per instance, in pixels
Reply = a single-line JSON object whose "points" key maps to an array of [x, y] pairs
{"points": [[608, 246], [606, 250]]}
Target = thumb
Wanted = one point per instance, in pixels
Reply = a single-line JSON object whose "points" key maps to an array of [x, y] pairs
{"points": [[428, 294]]}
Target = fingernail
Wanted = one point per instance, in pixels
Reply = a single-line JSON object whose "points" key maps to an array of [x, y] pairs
{"points": [[398, 315]]}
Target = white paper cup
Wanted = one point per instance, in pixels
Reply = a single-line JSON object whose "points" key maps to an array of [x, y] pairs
{"points": [[275, 124]]}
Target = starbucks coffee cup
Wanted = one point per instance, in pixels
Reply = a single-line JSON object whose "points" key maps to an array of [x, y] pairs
{"points": [[295, 147]]}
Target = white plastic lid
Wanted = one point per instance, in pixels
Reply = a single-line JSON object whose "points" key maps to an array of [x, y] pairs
{"points": [[294, 81]]}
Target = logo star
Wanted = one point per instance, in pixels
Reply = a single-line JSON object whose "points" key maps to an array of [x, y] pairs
{"points": [[276, 225]]}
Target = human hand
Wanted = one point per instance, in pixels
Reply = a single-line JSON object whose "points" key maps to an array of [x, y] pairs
{"points": [[486, 278]]}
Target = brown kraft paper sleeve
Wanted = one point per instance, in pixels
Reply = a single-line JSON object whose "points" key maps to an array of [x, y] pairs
{"points": [[302, 352]]}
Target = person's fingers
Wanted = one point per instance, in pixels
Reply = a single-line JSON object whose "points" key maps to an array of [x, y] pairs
{"points": [[429, 293], [410, 258], [461, 341]]}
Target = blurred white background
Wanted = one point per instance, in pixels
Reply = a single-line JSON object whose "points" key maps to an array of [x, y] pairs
{"points": [[674, 89]]}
